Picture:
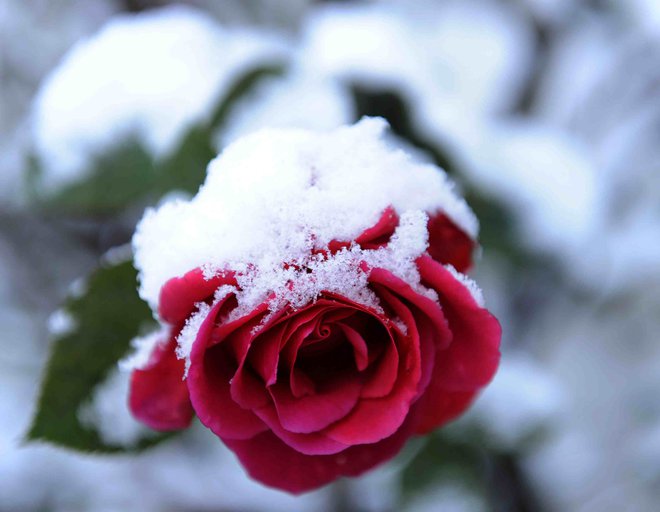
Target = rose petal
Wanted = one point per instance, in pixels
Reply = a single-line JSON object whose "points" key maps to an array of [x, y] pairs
{"points": [[440, 407], [272, 462], [313, 443], [158, 396], [433, 311], [449, 244], [311, 413], [180, 294], [300, 383], [415, 324], [380, 233], [264, 353], [375, 236], [471, 360], [208, 383], [473, 356], [382, 372], [374, 419], [360, 350]]}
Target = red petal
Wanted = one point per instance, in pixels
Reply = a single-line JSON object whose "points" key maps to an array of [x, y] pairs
{"points": [[264, 354], [311, 413], [374, 419], [381, 374], [441, 407], [208, 382], [313, 443], [380, 233], [435, 314], [449, 244], [375, 236], [180, 294], [272, 462], [360, 351], [414, 324], [471, 360], [158, 396]]}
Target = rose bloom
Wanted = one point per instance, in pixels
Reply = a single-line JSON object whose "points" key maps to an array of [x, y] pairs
{"points": [[306, 395]]}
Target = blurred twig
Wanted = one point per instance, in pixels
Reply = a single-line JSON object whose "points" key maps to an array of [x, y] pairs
{"points": [[142, 5]]}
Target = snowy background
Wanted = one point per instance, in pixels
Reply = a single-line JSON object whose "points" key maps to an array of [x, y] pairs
{"points": [[545, 112]]}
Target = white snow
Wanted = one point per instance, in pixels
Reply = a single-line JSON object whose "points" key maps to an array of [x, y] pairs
{"points": [[546, 176], [470, 284], [646, 13], [152, 75], [294, 101], [550, 176], [61, 323], [425, 50], [188, 334], [143, 347], [108, 413], [274, 198]]}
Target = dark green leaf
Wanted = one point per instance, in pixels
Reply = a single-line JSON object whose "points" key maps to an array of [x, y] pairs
{"points": [[118, 178], [241, 88], [107, 316], [443, 458], [390, 105], [186, 168]]}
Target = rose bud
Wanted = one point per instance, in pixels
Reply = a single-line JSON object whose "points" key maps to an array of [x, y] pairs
{"points": [[313, 305]]}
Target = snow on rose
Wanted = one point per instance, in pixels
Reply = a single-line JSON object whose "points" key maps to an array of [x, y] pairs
{"points": [[314, 310]]}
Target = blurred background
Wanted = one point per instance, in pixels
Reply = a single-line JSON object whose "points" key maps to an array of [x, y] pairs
{"points": [[545, 112]]}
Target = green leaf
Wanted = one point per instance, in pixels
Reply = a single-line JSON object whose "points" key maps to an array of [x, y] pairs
{"points": [[107, 316], [127, 174], [119, 177], [186, 169], [443, 458], [390, 105]]}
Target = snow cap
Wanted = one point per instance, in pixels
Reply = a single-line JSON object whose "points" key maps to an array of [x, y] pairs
{"points": [[274, 198]]}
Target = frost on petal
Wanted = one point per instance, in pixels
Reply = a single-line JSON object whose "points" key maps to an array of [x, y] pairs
{"points": [[188, 333], [158, 396]]}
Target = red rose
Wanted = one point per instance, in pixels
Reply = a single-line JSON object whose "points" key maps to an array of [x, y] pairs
{"points": [[333, 388]]}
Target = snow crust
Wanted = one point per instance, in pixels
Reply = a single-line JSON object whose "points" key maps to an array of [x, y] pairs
{"points": [[152, 75], [272, 202]]}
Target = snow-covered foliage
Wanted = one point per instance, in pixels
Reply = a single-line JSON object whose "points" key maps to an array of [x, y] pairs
{"points": [[425, 50], [546, 108], [151, 76], [295, 101]]}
